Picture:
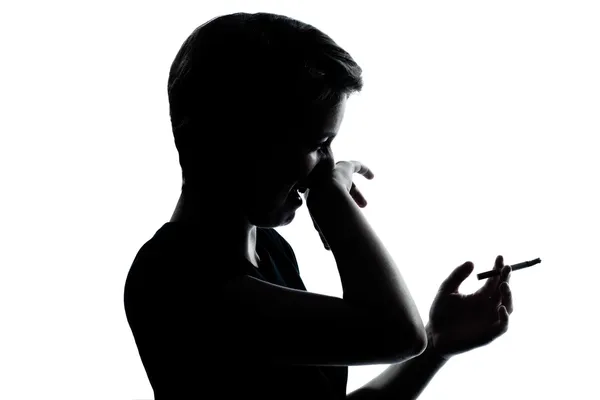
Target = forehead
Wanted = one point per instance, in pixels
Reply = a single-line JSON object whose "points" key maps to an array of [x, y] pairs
{"points": [[316, 123]]}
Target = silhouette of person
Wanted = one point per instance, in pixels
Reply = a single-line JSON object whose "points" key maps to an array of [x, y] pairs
{"points": [[214, 298]]}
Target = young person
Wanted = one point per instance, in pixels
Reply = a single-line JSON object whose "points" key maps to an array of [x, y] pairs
{"points": [[215, 300]]}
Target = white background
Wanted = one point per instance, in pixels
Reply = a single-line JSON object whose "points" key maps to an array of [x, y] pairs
{"points": [[480, 120]]}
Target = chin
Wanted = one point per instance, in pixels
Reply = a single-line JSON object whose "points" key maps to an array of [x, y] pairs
{"points": [[279, 215], [270, 222]]}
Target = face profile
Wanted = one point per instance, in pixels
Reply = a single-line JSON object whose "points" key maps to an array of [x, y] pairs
{"points": [[271, 195]]}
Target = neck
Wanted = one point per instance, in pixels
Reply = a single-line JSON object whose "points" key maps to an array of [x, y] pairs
{"points": [[228, 222]]}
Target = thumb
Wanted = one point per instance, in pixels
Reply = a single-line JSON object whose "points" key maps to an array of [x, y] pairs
{"points": [[453, 281]]}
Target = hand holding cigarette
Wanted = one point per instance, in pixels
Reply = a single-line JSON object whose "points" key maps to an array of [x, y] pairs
{"points": [[460, 322], [514, 267]]}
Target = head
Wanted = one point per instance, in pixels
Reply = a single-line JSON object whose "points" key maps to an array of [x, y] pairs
{"points": [[255, 100]]}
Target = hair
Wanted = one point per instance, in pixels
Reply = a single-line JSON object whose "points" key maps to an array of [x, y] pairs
{"points": [[237, 76]]}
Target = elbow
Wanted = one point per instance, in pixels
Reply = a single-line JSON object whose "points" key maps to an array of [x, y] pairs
{"points": [[409, 349], [420, 342], [409, 343], [420, 336]]}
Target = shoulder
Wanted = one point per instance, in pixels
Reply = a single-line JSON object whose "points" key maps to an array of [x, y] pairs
{"points": [[176, 260], [142, 279], [159, 264]]}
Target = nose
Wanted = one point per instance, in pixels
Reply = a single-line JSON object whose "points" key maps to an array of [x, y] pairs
{"points": [[306, 175]]}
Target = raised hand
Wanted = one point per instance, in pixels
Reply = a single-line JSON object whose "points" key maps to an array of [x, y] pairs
{"points": [[461, 322], [329, 173]]}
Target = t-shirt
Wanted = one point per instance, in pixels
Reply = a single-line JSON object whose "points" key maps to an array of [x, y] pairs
{"points": [[181, 355]]}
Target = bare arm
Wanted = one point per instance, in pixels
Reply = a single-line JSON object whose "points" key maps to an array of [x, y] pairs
{"points": [[402, 381], [369, 276]]}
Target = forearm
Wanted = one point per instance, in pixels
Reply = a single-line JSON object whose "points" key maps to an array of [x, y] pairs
{"points": [[369, 276], [403, 381]]}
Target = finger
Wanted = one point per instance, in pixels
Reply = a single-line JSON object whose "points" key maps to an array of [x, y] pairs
{"points": [[498, 328], [490, 286], [324, 241], [507, 300], [305, 194], [362, 169], [502, 324], [506, 273], [321, 235], [322, 170], [325, 244], [496, 295], [358, 196], [456, 277]]}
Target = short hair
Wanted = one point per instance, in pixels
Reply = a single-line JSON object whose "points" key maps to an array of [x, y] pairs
{"points": [[238, 75]]}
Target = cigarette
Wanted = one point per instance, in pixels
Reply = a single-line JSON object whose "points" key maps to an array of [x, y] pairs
{"points": [[514, 267]]}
